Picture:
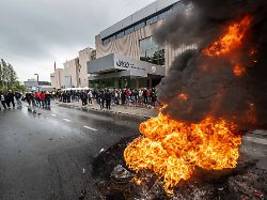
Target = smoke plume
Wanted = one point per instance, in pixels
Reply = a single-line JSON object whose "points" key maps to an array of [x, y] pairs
{"points": [[198, 85]]}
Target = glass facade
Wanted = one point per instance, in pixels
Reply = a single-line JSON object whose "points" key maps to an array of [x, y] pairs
{"points": [[125, 82], [162, 15], [151, 51]]}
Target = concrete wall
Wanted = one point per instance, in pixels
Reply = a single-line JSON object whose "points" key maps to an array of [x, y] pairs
{"points": [[57, 78], [85, 56], [53, 80], [71, 73], [129, 45], [143, 13]]}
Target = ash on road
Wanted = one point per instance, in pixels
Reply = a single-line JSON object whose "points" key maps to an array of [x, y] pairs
{"points": [[48, 156]]}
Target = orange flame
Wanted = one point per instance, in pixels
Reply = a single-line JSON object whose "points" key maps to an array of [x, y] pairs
{"points": [[239, 70], [231, 40], [183, 97], [173, 149]]}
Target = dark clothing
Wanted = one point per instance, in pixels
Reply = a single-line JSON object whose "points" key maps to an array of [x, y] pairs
{"points": [[10, 99], [47, 100], [108, 97], [4, 104], [84, 98], [123, 98], [29, 98]]}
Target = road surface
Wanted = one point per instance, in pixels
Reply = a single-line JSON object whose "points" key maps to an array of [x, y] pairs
{"points": [[48, 156]]}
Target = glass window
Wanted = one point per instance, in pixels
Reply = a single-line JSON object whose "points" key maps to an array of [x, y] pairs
{"points": [[139, 26], [120, 35], [112, 37], [152, 20], [163, 15], [129, 30], [151, 51], [106, 41]]}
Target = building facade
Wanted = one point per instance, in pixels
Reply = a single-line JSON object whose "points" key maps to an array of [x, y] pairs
{"points": [[127, 54], [86, 55], [75, 71], [57, 78], [31, 84], [71, 73], [34, 85]]}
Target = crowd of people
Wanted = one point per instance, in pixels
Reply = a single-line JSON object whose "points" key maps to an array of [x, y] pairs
{"points": [[40, 99], [9, 98], [105, 98], [12, 99]]}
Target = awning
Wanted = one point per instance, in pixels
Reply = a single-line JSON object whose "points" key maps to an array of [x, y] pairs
{"points": [[115, 65]]}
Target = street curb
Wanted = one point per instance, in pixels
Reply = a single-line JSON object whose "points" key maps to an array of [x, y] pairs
{"points": [[119, 114]]}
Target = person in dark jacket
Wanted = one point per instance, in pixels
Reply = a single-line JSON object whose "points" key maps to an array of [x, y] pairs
{"points": [[123, 97], [10, 99], [47, 100], [102, 99], [29, 98], [83, 97], [108, 97], [18, 98], [145, 96]]}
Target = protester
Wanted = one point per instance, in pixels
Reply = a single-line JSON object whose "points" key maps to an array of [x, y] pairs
{"points": [[18, 96], [9, 98], [90, 97], [47, 100], [106, 98], [42, 99], [3, 102], [29, 98]]}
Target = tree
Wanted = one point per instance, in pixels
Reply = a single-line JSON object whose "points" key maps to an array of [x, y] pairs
{"points": [[1, 75], [8, 77]]}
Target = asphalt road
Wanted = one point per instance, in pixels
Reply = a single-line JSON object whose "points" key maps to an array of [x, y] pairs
{"points": [[48, 156]]}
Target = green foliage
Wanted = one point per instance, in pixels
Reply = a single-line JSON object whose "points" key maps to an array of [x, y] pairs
{"points": [[8, 77]]}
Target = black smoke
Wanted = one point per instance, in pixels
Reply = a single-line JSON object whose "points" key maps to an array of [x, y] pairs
{"points": [[209, 82]]}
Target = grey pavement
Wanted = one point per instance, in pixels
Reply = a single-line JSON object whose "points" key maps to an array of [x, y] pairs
{"points": [[42, 157], [48, 156], [137, 112]]}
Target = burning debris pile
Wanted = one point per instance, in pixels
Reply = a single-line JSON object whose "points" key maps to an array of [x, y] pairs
{"points": [[115, 182], [225, 76], [173, 150], [211, 94], [218, 91]]}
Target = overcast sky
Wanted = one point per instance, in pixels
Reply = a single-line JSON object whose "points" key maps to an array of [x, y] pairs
{"points": [[35, 33]]}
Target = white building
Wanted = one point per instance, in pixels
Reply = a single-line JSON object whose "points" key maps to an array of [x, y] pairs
{"points": [[126, 53]]}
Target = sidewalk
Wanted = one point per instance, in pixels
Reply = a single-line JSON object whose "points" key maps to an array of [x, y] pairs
{"points": [[139, 113]]}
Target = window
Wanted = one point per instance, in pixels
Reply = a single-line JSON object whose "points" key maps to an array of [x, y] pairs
{"points": [[163, 15], [129, 30], [139, 26], [151, 51], [120, 35], [152, 20], [113, 37], [106, 41]]}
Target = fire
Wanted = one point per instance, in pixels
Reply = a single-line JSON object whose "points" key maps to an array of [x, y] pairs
{"points": [[183, 97], [231, 40], [239, 70], [174, 149]]}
